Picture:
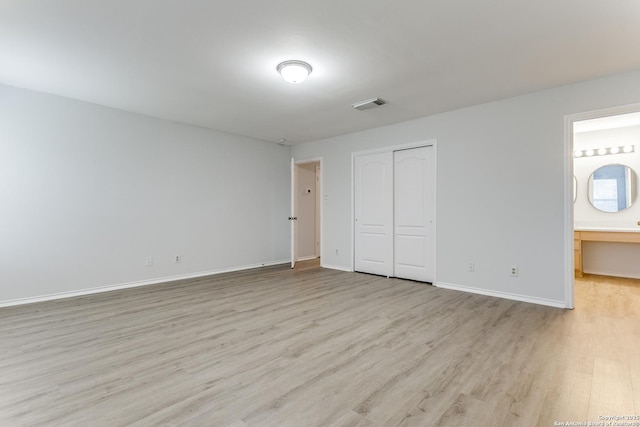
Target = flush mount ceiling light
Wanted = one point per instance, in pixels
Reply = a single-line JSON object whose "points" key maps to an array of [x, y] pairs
{"points": [[294, 71]]}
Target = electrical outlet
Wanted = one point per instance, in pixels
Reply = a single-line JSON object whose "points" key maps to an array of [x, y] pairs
{"points": [[177, 258], [471, 267], [337, 251], [514, 271], [148, 261]]}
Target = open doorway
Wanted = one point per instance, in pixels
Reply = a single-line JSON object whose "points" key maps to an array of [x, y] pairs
{"points": [[603, 199], [307, 206]]}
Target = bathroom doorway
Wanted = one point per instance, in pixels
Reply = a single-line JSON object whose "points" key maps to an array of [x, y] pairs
{"points": [[603, 183]]}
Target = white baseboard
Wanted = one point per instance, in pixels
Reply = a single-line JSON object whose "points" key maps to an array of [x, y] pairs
{"points": [[505, 295], [610, 273], [307, 258], [155, 281], [337, 267]]}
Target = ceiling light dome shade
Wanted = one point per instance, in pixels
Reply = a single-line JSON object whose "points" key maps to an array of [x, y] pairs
{"points": [[294, 71]]}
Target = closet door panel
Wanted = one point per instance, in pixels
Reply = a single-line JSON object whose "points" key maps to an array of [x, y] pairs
{"points": [[373, 192], [414, 211]]}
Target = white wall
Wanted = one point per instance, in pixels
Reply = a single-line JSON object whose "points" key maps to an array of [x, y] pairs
{"points": [[89, 192], [500, 197], [306, 211], [613, 259]]}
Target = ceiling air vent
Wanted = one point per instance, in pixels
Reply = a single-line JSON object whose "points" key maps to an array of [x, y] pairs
{"points": [[369, 103]]}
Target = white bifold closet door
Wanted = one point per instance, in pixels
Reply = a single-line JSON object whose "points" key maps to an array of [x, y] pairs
{"points": [[394, 213]]}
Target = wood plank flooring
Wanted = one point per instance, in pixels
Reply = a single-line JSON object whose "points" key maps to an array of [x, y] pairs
{"points": [[316, 347], [308, 264]]}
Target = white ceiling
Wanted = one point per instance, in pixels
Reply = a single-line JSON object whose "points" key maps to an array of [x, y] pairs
{"points": [[213, 63]]}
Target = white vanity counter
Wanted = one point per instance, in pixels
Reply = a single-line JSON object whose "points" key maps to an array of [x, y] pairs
{"points": [[610, 229]]}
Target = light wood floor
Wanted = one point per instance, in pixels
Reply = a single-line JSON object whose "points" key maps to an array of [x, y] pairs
{"points": [[308, 264], [281, 347]]}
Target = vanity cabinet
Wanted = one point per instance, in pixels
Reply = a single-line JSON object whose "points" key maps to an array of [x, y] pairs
{"points": [[577, 254], [598, 236]]}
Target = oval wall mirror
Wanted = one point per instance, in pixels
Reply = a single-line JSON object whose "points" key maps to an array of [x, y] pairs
{"points": [[613, 188]]}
